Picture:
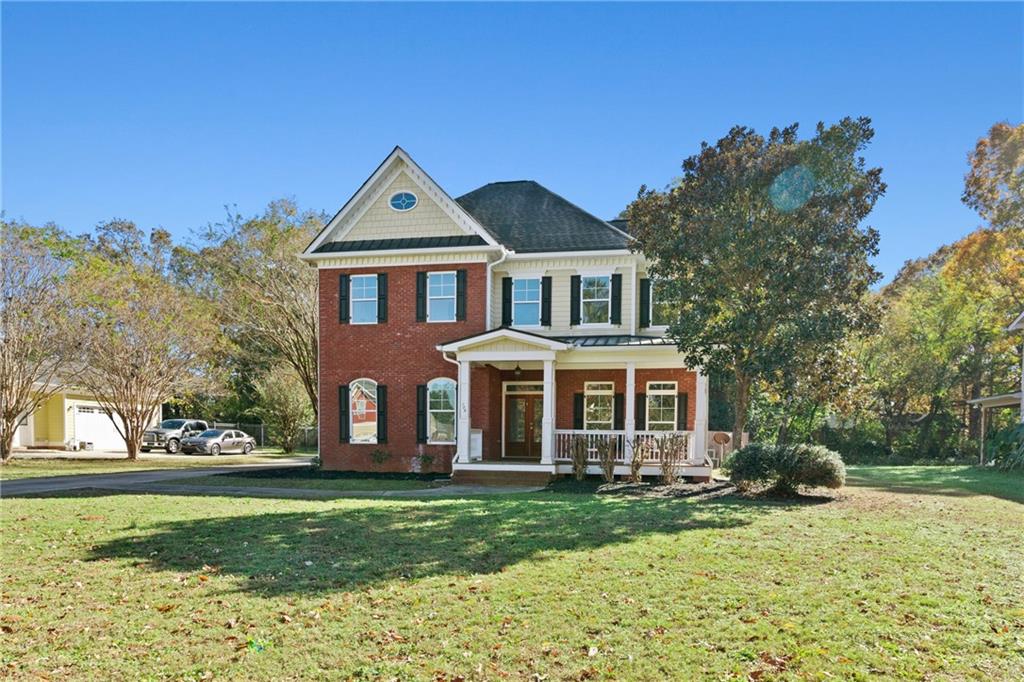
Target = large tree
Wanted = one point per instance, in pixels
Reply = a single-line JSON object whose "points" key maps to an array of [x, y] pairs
{"points": [[38, 353], [761, 245], [994, 185], [144, 339], [267, 297]]}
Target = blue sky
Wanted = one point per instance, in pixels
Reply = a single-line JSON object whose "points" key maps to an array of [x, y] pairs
{"points": [[165, 113]]}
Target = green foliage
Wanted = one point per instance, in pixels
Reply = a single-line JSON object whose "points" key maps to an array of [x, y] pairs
{"points": [[1006, 448], [760, 244], [425, 461], [994, 187], [379, 456], [785, 468], [283, 405]]}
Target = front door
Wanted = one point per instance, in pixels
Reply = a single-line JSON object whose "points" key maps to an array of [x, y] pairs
{"points": [[524, 416]]}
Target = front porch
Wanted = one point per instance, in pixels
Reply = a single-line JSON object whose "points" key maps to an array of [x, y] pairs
{"points": [[525, 402]]}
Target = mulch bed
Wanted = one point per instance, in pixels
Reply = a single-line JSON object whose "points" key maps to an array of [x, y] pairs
{"points": [[708, 490]]}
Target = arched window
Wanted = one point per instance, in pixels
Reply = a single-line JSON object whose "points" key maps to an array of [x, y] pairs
{"points": [[362, 395], [441, 411]]}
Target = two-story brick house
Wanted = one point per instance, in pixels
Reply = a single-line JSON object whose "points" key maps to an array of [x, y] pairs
{"points": [[482, 334]]}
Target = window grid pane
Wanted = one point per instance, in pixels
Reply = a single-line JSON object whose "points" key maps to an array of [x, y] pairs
{"points": [[363, 411], [595, 300], [363, 294], [441, 297], [441, 411]]}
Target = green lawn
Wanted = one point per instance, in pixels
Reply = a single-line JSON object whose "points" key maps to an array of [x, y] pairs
{"points": [[28, 468], [921, 580], [353, 483]]}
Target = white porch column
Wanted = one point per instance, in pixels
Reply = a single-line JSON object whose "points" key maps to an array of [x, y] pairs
{"points": [[630, 409], [700, 420], [547, 441], [462, 437]]}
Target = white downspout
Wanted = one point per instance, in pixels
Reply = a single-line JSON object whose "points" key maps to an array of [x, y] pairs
{"points": [[505, 253]]}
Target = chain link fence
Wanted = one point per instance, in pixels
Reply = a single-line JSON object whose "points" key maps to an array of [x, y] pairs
{"points": [[307, 437]]}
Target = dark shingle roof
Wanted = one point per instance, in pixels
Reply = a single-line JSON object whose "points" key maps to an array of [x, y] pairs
{"points": [[529, 218], [620, 223], [405, 243]]}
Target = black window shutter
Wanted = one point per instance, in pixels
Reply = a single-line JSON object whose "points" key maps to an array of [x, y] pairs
{"points": [[619, 412], [640, 413], [682, 411], [421, 413], [382, 413], [382, 297], [343, 299], [421, 297], [343, 405], [616, 299], [574, 300], [577, 410], [645, 303], [460, 294], [506, 301], [545, 301]]}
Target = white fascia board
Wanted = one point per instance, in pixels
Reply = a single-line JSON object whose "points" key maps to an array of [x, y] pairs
{"points": [[373, 187], [1016, 324], [568, 254], [338, 255], [504, 333]]}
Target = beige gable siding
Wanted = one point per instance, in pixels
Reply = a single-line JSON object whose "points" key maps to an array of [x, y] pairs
{"points": [[382, 222], [503, 346], [561, 270]]}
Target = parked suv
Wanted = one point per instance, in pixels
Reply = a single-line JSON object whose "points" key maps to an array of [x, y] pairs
{"points": [[170, 434]]}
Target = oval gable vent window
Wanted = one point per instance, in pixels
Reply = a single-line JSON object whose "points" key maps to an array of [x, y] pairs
{"points": [[403, 201]]}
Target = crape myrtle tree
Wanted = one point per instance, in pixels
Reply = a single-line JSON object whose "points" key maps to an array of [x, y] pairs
{"points": [[144, 339], [265, 298], [38, 344], [760, 244]]}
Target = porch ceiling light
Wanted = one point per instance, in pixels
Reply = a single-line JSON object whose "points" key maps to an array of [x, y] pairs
{"points": [[518, 371]]}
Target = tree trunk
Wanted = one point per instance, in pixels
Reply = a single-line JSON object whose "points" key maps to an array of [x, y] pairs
{"points": [[7, 440], [740, 405]]}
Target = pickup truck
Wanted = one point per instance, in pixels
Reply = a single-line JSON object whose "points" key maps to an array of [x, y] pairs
{"points": [[169, 434]]}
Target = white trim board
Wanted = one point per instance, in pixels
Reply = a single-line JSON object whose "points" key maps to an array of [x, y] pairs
{"points": [[397, 162]]}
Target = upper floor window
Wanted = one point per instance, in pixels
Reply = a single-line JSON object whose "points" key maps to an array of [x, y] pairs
{"points": [[403, 201], [595, 299], [362, 395], [441, 288], [526, 302], [598, 405], [661, 405], [363, 299], [441, 411], [662, 310]]}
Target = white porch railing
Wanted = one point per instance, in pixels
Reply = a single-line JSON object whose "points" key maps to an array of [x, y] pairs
{"points": [[564, 439], [649, 440]]}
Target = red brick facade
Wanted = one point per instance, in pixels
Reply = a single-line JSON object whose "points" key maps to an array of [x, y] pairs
{"points": [[400, 353]]}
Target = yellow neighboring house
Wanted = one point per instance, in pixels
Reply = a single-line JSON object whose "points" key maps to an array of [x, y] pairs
{"points": [[70, 420]]}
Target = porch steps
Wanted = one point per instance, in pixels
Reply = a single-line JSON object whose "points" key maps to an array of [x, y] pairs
{"points": [[500, 477]]}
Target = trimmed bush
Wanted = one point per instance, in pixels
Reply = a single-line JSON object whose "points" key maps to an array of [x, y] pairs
{"points": [[785, 468]]}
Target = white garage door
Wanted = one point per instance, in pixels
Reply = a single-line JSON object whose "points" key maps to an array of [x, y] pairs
{"points": [[93, 425]]}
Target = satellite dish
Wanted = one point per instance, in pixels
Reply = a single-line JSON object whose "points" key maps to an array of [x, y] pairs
{"points": [[721, 438]]}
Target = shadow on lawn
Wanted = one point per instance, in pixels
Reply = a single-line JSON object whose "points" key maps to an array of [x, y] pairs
{"points": [[950, 481], [359, 546]]}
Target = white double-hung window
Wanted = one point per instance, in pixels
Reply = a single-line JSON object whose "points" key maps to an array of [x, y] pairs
{"points": [[526, 302], [595, 299], [598, 405], [662, 398], [363, 299], [441, 288]]}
